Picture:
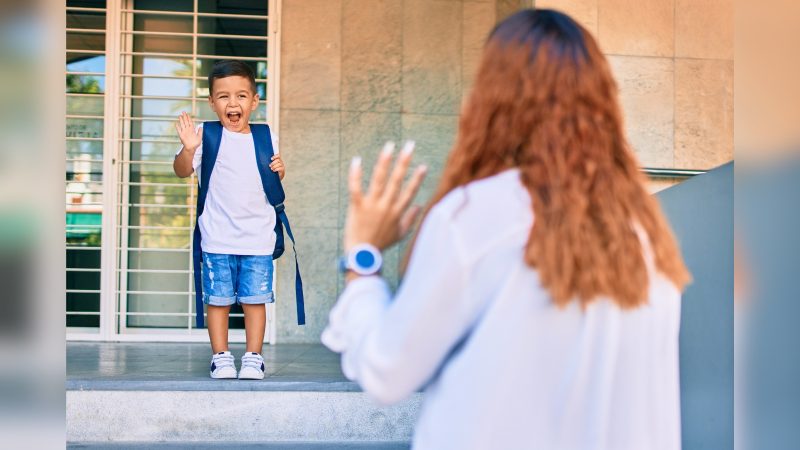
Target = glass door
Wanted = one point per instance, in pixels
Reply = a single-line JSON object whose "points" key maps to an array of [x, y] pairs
{"points": [[167, 51]]}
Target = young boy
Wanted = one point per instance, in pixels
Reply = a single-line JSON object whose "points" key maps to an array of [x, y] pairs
{"points": [[237, 223]]}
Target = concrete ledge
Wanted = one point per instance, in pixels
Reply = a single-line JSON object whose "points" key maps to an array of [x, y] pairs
{"points": [[243, 446], [267, 385], [235, 416]]}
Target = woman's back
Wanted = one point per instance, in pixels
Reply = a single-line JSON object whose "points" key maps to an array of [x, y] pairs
{"points": [[533, 375], [540, 307]]}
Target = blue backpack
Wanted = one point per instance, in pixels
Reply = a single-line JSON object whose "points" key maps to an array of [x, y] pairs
{"points": [[212, 137]]}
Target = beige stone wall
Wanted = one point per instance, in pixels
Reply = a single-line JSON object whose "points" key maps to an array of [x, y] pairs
{"points": [[355, 73], [673, 60]]}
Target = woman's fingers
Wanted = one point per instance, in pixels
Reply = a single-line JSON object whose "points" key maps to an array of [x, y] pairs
{"points": [[354, 180], [411, 189], [408, 219], [380, 171], [399, 173]]}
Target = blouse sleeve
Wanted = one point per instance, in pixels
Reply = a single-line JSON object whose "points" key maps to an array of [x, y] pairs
{"points": [[393, 347]]}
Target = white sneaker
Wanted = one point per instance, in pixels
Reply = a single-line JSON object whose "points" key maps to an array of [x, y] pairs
{"points": [[222, 365], [252, 367]]}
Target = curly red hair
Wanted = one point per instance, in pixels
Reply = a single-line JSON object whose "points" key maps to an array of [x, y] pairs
{"points": [[544, 101]]}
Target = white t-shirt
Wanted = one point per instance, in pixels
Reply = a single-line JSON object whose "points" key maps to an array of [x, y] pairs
{"points": [[237, 218]]}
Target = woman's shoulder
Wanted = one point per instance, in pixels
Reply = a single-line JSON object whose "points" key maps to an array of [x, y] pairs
{"points": [[497, 192], [486, 211]]}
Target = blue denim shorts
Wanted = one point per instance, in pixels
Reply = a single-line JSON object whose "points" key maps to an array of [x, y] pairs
{"points": [[243, 279]]}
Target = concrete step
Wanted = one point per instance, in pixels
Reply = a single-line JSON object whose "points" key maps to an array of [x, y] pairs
{"points": [[139, 394], [242, 446]]}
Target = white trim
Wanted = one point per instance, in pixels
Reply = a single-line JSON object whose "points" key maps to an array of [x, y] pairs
{"points": [[153, 141], [166, 77], [157, 335], [191, 294], [85, 9], [166, 271], [142, 183], [148, 249], [274, 9], [123, 152], [86, 30], [195, 35], [89, 52], [188, 56], [198, 14], [108, 258], [171, 314], [155, 227], [87, 74]]}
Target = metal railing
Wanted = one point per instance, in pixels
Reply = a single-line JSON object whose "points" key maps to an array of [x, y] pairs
{"points": [[659, 172]]}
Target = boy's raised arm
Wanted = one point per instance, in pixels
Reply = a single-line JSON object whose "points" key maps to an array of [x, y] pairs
{"points": [[191, 139]]}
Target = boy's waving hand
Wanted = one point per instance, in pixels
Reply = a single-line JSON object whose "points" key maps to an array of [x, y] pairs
{"points": [[189, 135], [191, 138]]}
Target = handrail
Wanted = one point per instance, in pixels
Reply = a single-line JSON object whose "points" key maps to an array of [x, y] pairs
{"points": [[659, 172]]}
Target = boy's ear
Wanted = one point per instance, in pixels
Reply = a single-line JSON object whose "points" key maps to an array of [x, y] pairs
{"points": [[210, 101], [255, 102]]}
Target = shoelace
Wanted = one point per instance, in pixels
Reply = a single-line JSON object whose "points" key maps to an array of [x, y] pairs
{"points": [[251, 360], [225, 360]]}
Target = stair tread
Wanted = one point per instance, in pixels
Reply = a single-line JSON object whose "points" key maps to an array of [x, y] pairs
{"points": [[369, 445], [184, 367], [269, 384]]}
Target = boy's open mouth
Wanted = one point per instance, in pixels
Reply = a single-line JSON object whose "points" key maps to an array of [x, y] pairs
{"points": [[234, 117]]}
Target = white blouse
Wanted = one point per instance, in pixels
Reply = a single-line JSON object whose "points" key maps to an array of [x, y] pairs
{"points": [[500, 365]]}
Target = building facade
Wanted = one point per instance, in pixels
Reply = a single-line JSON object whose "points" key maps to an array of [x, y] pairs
{"points": [[336, 78]]}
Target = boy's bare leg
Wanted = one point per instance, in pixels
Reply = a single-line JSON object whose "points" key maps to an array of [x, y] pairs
{"points": [[218, 327], [255, 319]]}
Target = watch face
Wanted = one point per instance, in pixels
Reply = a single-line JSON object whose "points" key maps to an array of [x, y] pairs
{"points": [[365, 259]]}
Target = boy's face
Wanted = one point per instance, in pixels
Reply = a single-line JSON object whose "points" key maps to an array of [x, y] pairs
{"points": [[232, 98]]}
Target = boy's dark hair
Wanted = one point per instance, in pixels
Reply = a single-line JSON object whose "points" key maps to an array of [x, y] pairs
{"points": [[230, 68]]}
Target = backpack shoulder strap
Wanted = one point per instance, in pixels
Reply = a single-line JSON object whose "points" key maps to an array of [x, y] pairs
{"points": [[212, 137], [270, 180]]}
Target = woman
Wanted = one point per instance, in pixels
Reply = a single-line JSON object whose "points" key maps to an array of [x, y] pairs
{"points": [[541, 303]]}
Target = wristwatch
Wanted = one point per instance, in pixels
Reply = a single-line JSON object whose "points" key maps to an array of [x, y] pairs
{"points": [[363, 259]]}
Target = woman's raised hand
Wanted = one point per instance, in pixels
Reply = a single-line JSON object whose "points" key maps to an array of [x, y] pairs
{"points": [[383, 214]]}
